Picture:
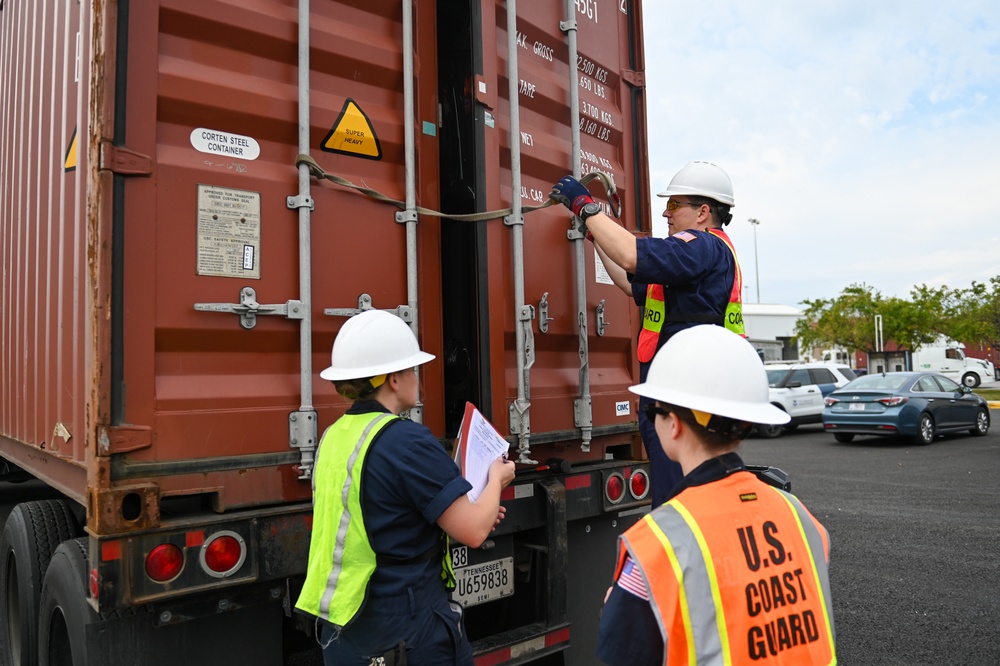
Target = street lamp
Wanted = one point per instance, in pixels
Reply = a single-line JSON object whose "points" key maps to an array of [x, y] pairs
{"points": [[756, 266]]}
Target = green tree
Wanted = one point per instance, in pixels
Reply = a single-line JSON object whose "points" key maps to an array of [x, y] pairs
{"points": [[976, 316], [848, 321]]}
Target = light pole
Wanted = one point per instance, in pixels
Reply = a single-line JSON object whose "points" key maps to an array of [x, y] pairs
{"points": [[756, 266]]}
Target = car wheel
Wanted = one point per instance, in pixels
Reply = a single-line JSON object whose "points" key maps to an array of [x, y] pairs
{"points": [[769, 431], [843, 437], [971, 380], [982, 423], [925, 430]]}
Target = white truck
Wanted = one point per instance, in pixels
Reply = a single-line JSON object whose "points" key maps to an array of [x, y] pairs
{"points": [[950, 360]]}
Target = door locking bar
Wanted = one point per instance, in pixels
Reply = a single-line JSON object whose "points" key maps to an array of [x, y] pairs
{"points": [[364, 304], [248, 308]]}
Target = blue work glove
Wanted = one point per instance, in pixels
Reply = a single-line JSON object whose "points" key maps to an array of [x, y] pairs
{"points": [[571, 193]]}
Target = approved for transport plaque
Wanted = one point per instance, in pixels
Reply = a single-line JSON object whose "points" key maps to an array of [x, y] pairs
{"points": [[228, 232]]}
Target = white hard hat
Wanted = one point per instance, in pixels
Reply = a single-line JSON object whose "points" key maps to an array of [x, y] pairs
{"points": [[713, 370], [373, 343], [701, 179]]}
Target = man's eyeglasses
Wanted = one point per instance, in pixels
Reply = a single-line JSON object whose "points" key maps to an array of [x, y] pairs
{"points": [[674, 204], [653, 410]]}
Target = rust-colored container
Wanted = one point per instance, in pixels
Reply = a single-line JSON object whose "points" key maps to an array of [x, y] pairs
{"points": [[128, 203], [174, 272]]}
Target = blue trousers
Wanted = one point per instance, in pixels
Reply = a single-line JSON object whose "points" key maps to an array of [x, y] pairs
{"points": [[431, 628]]}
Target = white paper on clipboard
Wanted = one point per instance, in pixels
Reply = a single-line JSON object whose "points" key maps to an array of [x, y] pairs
{"points": [[479, 444]]}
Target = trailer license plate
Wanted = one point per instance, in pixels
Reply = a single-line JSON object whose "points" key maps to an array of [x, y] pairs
{"points": [[856, 406], [479, 583]]}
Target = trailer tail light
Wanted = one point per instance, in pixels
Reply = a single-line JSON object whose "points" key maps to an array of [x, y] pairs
{"points": [[223, 554], [638, 484], [614, 488], [164, 562]]}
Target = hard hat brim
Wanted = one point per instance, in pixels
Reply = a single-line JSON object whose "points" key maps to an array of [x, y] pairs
{"points": [[765, 413], [342, 374]]}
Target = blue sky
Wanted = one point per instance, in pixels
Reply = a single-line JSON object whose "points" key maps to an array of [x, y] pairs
{"points": [[864, 136]]}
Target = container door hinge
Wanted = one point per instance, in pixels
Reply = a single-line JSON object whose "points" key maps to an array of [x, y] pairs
{"points": [[636, 79], [248, 308], [123, 438], [124, 162]]}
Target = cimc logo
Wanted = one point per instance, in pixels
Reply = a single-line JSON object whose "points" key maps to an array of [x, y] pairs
{"points": [[623, 408]]}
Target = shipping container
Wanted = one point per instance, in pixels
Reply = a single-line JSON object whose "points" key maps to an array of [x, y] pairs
{"points": [[196, 196]]}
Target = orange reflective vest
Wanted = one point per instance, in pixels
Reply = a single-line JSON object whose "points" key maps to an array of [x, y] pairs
{"points": [[655, 310], [738, 573]]}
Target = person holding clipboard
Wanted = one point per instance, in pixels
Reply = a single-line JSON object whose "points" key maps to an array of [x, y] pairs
{"points": [[386, 498]]}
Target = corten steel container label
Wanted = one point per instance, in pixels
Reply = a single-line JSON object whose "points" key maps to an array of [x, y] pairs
{"points": [[608, 114]]}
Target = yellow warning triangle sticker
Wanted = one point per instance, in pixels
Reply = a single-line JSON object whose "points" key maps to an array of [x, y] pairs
{"points": [[70, 163], [353, 134]]}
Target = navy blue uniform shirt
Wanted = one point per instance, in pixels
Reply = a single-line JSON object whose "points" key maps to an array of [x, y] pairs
{"points": [[408, 481]]}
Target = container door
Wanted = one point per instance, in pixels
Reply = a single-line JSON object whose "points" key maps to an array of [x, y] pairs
{"points": [[212, 98], [477, 175]]}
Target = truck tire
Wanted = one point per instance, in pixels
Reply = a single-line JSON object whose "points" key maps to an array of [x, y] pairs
{"points": [[63, 609], [33, 532], [971, 379]]}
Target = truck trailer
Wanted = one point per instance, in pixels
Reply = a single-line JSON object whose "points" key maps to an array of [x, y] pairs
{"points": [[196, 196]]}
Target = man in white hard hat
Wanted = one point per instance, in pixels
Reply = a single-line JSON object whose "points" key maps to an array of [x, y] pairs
{"points": [[690, 277], [385, 494], [730, 570]]}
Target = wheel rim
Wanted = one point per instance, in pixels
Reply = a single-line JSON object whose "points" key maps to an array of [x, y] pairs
{"points": [[982, 422], [926, 429]]}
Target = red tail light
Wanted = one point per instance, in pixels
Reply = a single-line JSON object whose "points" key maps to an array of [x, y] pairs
{"points": [[223, 553], [614, 488], [164, 562], [638, 484], [893, 401], [830, 402]]}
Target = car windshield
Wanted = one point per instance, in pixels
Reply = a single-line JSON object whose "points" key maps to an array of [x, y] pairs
{"points": [[888, 382], [775, 375]]}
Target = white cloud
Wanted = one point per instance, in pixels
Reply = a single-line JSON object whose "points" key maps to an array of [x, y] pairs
{"points": [[864, 136]]}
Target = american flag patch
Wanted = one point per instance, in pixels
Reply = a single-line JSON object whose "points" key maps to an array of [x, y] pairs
{"points": [[631, 580], [685, 236]]}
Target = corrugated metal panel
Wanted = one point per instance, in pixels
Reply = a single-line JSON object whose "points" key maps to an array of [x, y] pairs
{"points": [[44, 380], [230, 67], [609, 45]]}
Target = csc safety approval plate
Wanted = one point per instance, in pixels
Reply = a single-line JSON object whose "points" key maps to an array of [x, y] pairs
{"points": [[482, 582]]}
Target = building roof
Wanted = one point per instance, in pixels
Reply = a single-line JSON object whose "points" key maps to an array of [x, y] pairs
{"points": [[767, 309]]}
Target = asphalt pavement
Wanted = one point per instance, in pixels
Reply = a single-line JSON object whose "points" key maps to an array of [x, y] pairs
{"points": [[914, 533]]}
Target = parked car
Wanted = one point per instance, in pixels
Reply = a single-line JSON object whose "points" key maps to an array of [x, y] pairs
{"points": [[799, 389], [919, 405]]}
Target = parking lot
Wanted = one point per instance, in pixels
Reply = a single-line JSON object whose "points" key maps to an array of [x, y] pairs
{"points": [[914, 532]]}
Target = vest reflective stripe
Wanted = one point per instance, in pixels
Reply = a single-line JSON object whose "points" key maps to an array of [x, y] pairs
{"points": [[818, 543], [652, 322], [772, 604], [341, 561], [734, 311]]}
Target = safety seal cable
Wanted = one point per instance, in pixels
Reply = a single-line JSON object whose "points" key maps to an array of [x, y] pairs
{"points": [[606, 180]]}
